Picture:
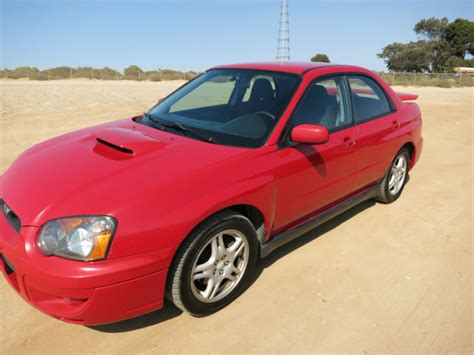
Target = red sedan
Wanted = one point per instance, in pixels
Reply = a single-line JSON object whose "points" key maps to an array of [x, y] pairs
{"points": [[102, 224]]}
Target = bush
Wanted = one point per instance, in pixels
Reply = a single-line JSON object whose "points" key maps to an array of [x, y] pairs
{"points": [[190, 75], [43, 75], [18, 73], [153, 75], [107, 74], [60, 73], [83, 72], [133, 72], [169, 74]]}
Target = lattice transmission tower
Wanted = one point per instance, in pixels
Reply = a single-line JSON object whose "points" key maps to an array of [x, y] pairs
{"points": [[283, 49]]}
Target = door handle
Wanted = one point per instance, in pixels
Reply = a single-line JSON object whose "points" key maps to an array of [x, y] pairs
{"points": [[348, 142], [395, 125]]}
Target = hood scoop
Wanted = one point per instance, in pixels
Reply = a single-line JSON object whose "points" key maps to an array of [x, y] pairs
{"points": [[114, 146], [124, 143]]}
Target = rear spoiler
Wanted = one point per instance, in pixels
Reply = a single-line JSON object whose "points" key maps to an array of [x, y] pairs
{"points": [[406, 97]]}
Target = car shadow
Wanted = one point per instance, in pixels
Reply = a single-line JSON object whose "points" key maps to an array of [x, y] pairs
{"points": [[169, 311], [315, 233], [314, 157]]}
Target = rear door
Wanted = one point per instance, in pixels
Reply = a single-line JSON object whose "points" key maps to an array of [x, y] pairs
{"points": [[378, 124], [312, 177]]}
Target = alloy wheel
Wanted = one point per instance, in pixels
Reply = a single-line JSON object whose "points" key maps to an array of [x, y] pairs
{"points": [[219, 266], [397, 175]]}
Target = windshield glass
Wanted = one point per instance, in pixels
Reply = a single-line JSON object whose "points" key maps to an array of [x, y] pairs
{"points": [[226, 106]]}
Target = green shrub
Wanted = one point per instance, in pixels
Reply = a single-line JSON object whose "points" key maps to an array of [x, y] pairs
{"points": [[43, 75], [60, 73], [169, 74], [107, 74], [18, 73], [83, 72], [133, 72], [190, 75], [153, 75]]}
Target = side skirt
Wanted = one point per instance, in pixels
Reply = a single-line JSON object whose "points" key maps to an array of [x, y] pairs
{"points": [[289, 235]]}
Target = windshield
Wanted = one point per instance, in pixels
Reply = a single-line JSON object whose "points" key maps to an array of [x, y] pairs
{"points": [[226, 106]]}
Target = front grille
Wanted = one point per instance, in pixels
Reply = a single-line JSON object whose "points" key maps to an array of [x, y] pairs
{"points": [[10, 216]]}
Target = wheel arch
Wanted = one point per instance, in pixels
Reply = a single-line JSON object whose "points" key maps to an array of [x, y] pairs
{"points": [[254, 214], [411, 151]]}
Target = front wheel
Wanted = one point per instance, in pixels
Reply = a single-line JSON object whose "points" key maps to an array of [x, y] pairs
{"points": [[214, 264], [394, 181]]}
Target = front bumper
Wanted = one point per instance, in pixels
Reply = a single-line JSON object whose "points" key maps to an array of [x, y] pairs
{"points": [[88, 293]]}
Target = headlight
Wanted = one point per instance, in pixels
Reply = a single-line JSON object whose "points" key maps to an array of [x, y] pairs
{"points": [[79, 238]]}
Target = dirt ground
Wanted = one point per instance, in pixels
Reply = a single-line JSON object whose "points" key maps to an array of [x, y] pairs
{"points": [[379, 278]]}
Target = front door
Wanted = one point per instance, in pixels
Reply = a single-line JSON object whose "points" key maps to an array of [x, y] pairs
{"points": [[312, 177]]}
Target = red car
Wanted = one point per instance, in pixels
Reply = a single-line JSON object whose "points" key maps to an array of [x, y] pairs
{"points": [[102, 224]]}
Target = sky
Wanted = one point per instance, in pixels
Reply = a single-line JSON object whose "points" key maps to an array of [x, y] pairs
{"points": [[195, 35]]}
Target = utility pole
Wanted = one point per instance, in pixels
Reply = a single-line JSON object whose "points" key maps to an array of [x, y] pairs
{"points": [[283, 48]]}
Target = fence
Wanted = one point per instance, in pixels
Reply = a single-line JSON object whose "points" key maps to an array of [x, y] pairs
{"points": [[61, 73], [444, 80]]}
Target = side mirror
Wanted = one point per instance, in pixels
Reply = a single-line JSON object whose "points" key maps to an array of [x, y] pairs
{"points": [[309, 134]]}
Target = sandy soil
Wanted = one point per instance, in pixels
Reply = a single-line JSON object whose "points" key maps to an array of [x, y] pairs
{"points": [[395, 278]]}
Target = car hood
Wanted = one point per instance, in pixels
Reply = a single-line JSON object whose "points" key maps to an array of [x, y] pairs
{"points": [[95, 170]]}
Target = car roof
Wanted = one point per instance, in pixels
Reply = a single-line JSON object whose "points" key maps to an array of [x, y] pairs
{"points": [[287, 67]]}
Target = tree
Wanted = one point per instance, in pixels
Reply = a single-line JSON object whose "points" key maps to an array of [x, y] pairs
{"points": [[460, 34], [434, 29], [411, 57], [442, 46], [321, 58]]}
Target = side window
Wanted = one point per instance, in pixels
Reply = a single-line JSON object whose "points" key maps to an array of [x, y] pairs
{"points": [[325, 104], [368, 97]]}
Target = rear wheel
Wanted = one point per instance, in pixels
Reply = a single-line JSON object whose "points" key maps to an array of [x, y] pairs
{"points": [[214, 264], [394, 181]]}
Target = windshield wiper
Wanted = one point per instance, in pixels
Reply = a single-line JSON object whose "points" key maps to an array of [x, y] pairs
{"points": [[150, 117], [179, 127]]}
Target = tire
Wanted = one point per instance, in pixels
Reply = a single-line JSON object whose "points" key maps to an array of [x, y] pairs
{"points": [[395, 179], [214, 261]]}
